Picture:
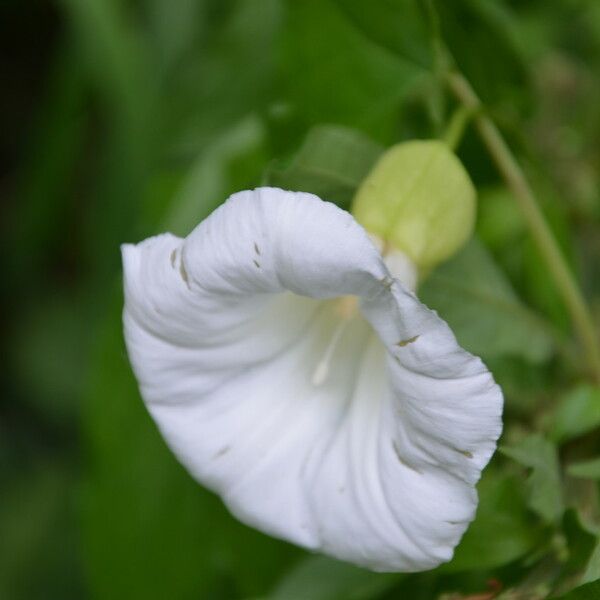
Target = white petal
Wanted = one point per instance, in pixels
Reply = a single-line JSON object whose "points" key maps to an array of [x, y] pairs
{"points": [[359, 438]]}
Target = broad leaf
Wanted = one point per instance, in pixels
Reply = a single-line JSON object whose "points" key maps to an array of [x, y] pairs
{"points": [[588, 591], [592, 571], [499, 220], [398, 25], [38, 544], [331, 163], [322, 578], [581, 541], [478, 302], [208, 182], [577, 413], [545, 492], [334, 74], [496, 68]]}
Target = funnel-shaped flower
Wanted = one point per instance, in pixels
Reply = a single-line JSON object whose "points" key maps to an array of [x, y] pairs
{"points": [[294, 375]]}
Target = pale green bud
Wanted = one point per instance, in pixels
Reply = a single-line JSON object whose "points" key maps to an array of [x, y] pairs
{"points": [[419, 199]]}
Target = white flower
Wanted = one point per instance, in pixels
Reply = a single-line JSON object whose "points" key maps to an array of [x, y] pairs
{"points": [[292, 374]]}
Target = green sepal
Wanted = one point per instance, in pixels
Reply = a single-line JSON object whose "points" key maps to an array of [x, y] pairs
{"points": [[419, 199]]}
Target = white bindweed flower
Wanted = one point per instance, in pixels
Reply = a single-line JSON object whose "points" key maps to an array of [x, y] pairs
{"points": [[293, 372]]}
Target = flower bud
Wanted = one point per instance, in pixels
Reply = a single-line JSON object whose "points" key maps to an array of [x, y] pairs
{"points": [[419, 199]]}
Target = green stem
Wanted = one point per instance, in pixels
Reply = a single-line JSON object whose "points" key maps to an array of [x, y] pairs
{"points": [[540, 231], [457, 126]]}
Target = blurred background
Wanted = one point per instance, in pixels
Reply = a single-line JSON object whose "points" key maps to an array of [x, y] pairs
{"points": [[122, 119]]}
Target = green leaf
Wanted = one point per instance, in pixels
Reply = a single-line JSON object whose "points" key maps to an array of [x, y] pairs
{"points": [[592, 571], [397, 25], [45, 177], [114, 53], [207, 184], [496, 69], [50, 353], [334, 74], [38, 545], [545, 491], [580, 543], [499, 220], [331, 163], [237, 38], [589, 469], [174, 31], [577, 413], [322, 578], [478, 302], [588, 591], [502, 531]]}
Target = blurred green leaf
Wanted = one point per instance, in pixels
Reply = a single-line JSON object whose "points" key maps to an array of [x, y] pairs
{"points": [[322, 578], [589, 469], [580, 542], [334, 74], [499, 220], [502, 530], [478, 302], [115, 56], [207, 184], [175, 31], [398, 25], [38, 545], [331, 163], [545, 491], [50, 351], [497, 69], [48, 169], [577, 413], [230, 74], [588, 591], [522, 383], [592, 571]]}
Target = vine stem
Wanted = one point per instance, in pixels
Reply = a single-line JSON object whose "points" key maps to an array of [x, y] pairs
{"points": [[515, 179], [456, 128]]}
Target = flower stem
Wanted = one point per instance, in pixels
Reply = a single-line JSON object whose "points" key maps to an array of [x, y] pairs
{"points": [[542, 235]]}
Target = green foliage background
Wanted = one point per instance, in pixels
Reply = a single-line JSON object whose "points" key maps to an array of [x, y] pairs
{"points": [[124, 119]]}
